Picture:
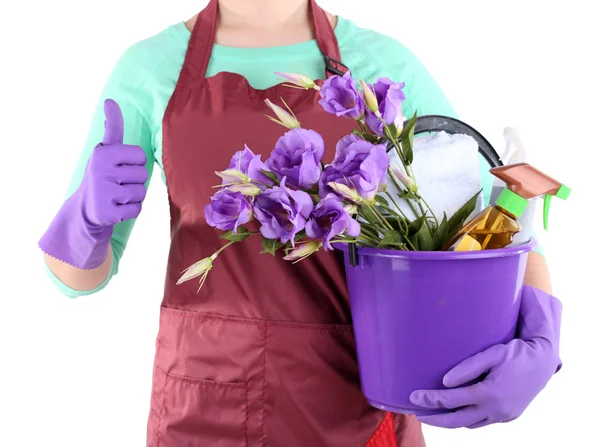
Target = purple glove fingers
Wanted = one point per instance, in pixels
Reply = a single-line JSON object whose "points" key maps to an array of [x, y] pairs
{"points": [[119, 155], [126, 194], [479, 424], [446, 399], [128, 211], [464, 417], [473, 367], [129, 175]]}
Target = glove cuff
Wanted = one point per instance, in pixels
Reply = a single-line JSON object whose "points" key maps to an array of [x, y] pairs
{"points": [[540, 318], [70, 239]]}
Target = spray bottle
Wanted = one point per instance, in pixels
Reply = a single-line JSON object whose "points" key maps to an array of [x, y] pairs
{"points": [[496, 225], [515, 153]]}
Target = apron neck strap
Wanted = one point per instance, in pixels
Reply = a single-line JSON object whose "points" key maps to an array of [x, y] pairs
{"points": [[203, 38]]}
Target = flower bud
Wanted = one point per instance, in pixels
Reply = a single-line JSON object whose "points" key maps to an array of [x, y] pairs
{"points": [[246, 189], [303, 251], [200, 268], [285, 118], [233, 176], [297, 80], [405, 179], [346, 192], [370, 98]]}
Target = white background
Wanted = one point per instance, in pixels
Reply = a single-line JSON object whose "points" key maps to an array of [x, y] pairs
{"points": [[78, 372]]}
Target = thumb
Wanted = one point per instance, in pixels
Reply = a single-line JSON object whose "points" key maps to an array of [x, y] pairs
{"points": [[473, 367], [113, 124]]}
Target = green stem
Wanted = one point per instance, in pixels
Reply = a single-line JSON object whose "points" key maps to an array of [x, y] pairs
{"points": [[369, 234], [216, 253], [424, 213], [401, 223], [360, 238], [390, 137], [400, 188], [400, 211], [395, 204], [391, 210], [437, 223], [380, 217], [412, 207], [410, 243], [368, 240], [361, 126]]}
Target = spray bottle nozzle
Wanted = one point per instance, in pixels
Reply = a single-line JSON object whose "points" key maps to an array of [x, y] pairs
{"points": [[525, 182]]}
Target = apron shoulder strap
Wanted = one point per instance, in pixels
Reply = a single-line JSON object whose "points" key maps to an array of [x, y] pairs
{"points": [[327, 41], [202, 40]]}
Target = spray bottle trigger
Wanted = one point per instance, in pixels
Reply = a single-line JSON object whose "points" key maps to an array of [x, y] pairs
{"points": [[547, 199], [562, 193]]}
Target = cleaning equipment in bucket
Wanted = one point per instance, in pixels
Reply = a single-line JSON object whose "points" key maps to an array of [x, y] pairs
{"points": [[418, 314], [515, 152], [496, 225]]}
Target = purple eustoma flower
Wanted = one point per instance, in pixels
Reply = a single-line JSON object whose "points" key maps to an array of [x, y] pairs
{"points": [[297, 157], [330, 219], [246, 162], [390, 97], [282, 212], [228, 210], [358, 164], [339, 96]]}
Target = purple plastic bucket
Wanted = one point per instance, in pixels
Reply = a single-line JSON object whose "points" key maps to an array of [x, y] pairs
{"points": [[416, 315]]}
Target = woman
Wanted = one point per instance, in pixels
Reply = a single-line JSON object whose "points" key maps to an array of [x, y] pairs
{"points": [[240, 362]]}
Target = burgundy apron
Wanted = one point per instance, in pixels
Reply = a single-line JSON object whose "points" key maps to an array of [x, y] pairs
{"points": [[264, 354]]}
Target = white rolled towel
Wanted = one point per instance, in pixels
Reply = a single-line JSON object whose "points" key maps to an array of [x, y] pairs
{"points": [[447, 170]]}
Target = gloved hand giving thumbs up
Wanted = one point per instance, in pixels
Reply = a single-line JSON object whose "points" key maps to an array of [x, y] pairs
{"points": [[111, 191], [113, 188]]}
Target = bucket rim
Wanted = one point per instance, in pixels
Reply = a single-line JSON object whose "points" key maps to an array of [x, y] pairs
{"points": [[441, 255]]}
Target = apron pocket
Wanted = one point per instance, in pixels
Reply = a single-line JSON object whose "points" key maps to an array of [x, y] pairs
{"points": [[199, 413]]}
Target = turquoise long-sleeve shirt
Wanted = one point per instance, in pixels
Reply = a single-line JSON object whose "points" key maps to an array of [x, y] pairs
{"points": [[144, 78]]}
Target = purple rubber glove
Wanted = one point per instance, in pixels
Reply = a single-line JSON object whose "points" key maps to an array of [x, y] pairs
{"points": [[515, 372], [111, 191]]}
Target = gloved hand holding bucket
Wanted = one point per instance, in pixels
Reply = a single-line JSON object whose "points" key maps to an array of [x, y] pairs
{"points": [[454, 337]]}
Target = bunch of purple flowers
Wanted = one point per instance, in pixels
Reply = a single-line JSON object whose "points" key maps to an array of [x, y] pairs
{"points": [[303, 205]]}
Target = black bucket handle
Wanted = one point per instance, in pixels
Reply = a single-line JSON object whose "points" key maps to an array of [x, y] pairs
{"points": [[440, 123]]}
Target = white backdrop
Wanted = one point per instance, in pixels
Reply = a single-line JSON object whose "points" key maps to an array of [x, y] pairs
{"points": [[78, 372]]}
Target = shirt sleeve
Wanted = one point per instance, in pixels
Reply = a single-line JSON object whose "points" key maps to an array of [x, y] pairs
{"points": [[126, 87]]}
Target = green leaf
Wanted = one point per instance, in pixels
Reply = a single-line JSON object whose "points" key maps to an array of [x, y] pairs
{"points": [[382, 200], [457, 221], [416, 230], [440, 236], [394, 222], [368, 214], [416, 225], [407, 138], [366, 136], [394, 131], [242, 234], [422, 239], [270, 175], [271, 246], [392, 238], [406, 194]]}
